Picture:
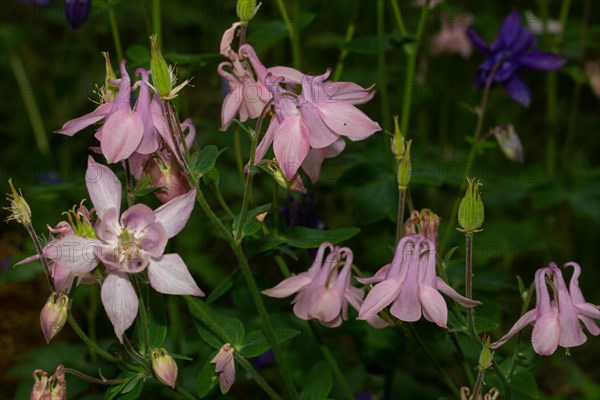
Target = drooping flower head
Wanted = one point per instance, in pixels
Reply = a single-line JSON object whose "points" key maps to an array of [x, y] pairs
{"points": [[411, 286], [556, 322], [513, 50], [225, 367], [324, 291]]}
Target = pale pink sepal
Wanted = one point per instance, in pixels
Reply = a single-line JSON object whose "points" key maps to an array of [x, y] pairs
{"points": [[120, 302], [103, 187], [169, 275]]}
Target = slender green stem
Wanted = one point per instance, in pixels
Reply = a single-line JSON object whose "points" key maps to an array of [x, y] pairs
{"points": [[400, 219], [250, 175], [184, 394], [257, 377], [221, 200], [43, 259], [383, 86], [476, 393], [156, 23], [411, 63], [174, 322], [469, 282], [445, 377], [91, 315], [115, 30], [143, 312], [282, 266], [337, 72], [91, 378], [216, 330], [524, 307], [331, 361], [474, 147], [35, 118], [398, 17], [293, 34], [92, 345], [238, 150]]}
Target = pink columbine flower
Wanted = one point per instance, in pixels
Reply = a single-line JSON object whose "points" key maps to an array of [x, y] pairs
{"points": [[325, 290], [411, 286], [225, 367], [128, 244], [452, 38], [556, 322], [314, 121]]}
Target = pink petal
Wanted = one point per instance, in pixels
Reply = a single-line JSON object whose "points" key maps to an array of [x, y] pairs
{"points": [[63, 277], [320, 134], [189, 138], [448, 291], [290, 75], [266, 141], [120, 302], [28, 259], [588, 310], [170, 275], [76, 253], [326, 304], [291, 145], [347, 120], [434, 306], [289, 286], [154, 240], [521, 323], [149, 143], [175, 214], [407, 306], [379, 298], [349, 92], [378, 277], [137, 217], [103, 187], [571, 334], [121, 135], [75, 125], [546, 334], [227, 38]]}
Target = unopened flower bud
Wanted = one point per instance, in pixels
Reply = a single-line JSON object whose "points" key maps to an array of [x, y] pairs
{"points": [[405, 168], [164, 367], [246, 10], [165, 174], [77, 11], [509, 142], [54, 315], [295, 184], [161, 77], [398, 142], [19, 209], [486, 357], [470, 211]]}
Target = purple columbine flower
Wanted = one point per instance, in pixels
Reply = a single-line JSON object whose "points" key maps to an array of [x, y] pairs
{"points": [[513, 50], [77, 12]]}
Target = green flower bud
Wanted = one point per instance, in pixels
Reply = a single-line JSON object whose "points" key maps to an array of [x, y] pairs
{"points": [[470, 212], [486, 357], [19, 209], [246, 10], [161, 76], [398, 142], [405, 168]]}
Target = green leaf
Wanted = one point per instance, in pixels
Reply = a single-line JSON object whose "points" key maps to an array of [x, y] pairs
{"points": [[223, 287], [157, 322], [128, 390], [231, 327], [256, 246], [255, 343], [523, 386], [268, 32], [207, 380], [308, 238], [252, 224], [186, 59], [319, 382], [138, 53], [205, 161], [485, 324]]}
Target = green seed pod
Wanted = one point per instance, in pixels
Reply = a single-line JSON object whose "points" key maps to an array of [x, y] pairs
{"points": [[405, 168], [470, 212], [161, 78], [246, 10]]}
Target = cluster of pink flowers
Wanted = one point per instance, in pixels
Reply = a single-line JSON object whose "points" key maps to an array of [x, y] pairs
{"points": [[311, 113], [409, 284]]}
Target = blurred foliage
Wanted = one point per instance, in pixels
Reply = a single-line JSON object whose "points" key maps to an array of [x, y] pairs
{"points": [[547, 209]]}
